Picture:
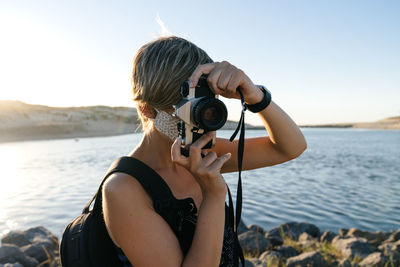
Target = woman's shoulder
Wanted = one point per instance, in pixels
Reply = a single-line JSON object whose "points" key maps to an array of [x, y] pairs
{"points": [[125, 203], [123, 187]]}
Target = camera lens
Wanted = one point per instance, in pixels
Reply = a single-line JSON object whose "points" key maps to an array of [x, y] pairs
{"points": [[210, 114]]}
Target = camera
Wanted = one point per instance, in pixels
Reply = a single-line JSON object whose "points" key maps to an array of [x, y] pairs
{"points": [[200, 111]]}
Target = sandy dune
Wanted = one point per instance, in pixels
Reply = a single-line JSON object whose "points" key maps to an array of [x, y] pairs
{"points": [[392, 123], [388, 123], [20, 121]]}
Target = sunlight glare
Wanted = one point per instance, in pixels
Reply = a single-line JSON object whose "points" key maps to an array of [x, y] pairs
{"points": [[40, 65], [10, 182]]}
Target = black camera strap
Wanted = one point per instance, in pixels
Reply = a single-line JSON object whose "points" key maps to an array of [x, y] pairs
{"points": [[235, 223]]}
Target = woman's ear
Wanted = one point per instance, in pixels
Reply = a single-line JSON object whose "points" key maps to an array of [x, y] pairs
{"points": [[147, 111]]}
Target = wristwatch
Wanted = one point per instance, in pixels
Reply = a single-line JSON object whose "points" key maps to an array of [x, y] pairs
{"points": [[255, 108]]}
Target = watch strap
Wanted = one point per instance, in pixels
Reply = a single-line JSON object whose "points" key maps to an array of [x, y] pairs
{"points": [[255, 108]]}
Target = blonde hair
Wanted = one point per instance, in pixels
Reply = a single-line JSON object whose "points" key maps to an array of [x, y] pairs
{"points": [[159, 69]]}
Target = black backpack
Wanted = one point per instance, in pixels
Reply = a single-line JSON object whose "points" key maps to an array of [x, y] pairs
{"points": [[85, 241]]}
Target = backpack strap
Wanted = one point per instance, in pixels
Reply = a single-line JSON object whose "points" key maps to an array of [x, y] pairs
{"points": [[151, 181]]}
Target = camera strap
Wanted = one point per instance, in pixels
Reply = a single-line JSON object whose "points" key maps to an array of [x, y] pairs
{"points": [[235, 222]]}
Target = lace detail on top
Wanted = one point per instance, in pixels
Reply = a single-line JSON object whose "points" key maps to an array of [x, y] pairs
{"points": [[228, 246]]}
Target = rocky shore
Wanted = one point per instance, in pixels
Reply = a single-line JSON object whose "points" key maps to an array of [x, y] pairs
{"points": [[31, 248], [303, 244], [290, 244]]}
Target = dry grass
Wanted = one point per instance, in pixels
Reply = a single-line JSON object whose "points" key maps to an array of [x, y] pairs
{"points": [[329, 253]]}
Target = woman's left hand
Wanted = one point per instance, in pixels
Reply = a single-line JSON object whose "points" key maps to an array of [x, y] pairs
{"points": [[224, 79]]}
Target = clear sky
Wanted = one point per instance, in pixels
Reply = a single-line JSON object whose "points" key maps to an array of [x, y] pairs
{"points": [[323, 61]]}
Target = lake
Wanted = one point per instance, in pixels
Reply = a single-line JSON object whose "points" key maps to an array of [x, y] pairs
{"points": [[346, 178]]}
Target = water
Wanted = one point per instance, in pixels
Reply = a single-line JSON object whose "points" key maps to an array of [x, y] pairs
{"points": [[346, 178]]}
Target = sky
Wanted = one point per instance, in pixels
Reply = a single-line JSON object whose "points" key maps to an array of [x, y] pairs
{"points": [[323, 61]]}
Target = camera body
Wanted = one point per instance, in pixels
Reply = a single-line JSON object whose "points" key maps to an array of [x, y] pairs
{"points": [[200, 111]]}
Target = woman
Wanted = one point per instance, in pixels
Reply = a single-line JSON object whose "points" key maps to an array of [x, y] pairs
{"points": [[137, 230]]}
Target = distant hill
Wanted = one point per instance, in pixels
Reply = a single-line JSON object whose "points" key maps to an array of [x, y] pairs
{"points": [[21, 121], [388, 123]]}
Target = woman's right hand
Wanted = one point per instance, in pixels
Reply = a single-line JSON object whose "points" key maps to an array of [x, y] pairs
{"points": [[207, 169]]}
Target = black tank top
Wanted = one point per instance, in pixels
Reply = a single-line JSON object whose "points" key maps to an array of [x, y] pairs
{"points": [[180, 214]]}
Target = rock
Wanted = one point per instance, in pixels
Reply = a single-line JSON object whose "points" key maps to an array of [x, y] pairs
{"points": [[394, 236], [257, 228], [254, 243], [36, 245], [390, 247], [38, 251], [308, 259], [42, 235], [253, 262], [248, 263], [344, 263], [307, 240], [31, 236], [17, 264], [352, 246], [374, 259], [17, 238], [242, 228], [373, 238], [288, 251], [271, 258], [327, 236], [275, 238], [305, 237], [294, 230], [389, 233], [12, 254], [387, 248], [343, 231]]}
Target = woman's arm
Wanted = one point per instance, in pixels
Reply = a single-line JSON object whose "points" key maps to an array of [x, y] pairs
{"points": [[285, 140], [145, 237]]}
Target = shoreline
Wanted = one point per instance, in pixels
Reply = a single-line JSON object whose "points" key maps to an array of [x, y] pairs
{"points": [[82, 135], [64, 134], [40, 133]]}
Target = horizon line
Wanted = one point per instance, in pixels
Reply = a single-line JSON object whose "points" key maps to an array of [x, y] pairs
{"points": [[326, 124]]}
